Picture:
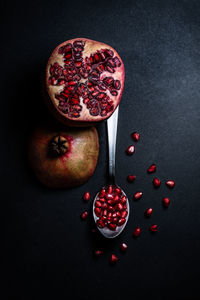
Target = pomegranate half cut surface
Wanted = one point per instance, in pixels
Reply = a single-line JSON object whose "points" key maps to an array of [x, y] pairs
{"points": [[84, 81]]}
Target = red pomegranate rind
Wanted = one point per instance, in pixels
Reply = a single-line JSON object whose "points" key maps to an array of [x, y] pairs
{"points": [[85, 81]]}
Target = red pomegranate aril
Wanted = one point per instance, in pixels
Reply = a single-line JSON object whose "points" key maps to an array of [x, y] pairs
{"points": [[102, 193], [103, 200], [135, 136], [109, 215], [110, 202], [100, 223], [113, 259], [137, 195], [124, 213], [123, 247], [97, 211], [137, 232], [104, 205], [130, 150], [86, 196], [151, 169], [119, 207], [170, 183], [131, 178], [114, 220], [121, 221], [112, 226], [153, 228], [123, 200], [117, 190], [156, 182], [166, 202], [110, 189], [84, 215], [116, 198], [111, 208], [105, 212], [98, 203], [148, 212], [109, 196], [125, 206], [98, 252]]}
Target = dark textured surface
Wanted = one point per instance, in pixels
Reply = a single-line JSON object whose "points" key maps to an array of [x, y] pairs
{"points": [[48, 249]]}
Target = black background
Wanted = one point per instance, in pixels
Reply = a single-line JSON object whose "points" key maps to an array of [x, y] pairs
{"points": [[49, 251]]}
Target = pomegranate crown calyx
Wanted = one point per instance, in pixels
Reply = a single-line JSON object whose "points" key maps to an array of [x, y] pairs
{"points": [[58, 145]]}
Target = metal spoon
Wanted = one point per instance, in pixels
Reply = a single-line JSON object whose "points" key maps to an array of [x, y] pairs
{"points": [[112, 137]]}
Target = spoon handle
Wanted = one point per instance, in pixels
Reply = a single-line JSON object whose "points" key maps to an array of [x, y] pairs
{"points": [[112, 138]]}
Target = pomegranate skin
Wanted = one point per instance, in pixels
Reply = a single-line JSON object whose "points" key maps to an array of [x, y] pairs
{"points": [[85, 118], [73, 168]]}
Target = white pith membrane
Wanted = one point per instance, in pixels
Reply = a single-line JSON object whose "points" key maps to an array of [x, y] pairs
{"points": [[85, 80]]}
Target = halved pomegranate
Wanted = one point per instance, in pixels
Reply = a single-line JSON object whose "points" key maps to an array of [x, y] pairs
{"points": [[84, 81]]}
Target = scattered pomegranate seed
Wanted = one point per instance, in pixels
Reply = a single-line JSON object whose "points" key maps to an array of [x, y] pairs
{"points": [[153, 228], [156, 182], [131, 178], [84, 215], [98, 252], [166, 202], [137, 195], [170, 183], [130, 150], [148, 212], [137, 232], [135, 136], [123, 247], [113, 259], [86, 196], [151, 169]]}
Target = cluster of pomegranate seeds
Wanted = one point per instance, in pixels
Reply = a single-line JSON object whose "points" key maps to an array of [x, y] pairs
{"points": [[130, 150], [151, 169], [137, 195], [111, 207], [86, 196], [137, 232], [131, 178], [148, 212], [156, 182], [135, 136], [83, 81]]}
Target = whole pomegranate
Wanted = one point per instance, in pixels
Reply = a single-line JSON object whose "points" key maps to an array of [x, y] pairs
{"points": [[84, 81], [63, 158]]}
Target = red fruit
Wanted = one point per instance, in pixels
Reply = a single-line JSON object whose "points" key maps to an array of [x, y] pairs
{"points": [[63, 157], [93, 73], [170, 183], [100, 223], [119, 207], [98, 203], [131, 178], [135, 136], [98, 252], [130, 150], [153, 228], [112, 226], [123, 200], [84, 215], [97, 211], [137, 195], [124, 213], [156, 182], [118, 190], [86, 196], [166, 202], [137, 232], [121, 221], [123, 247], [113, 259], [151, 169], [148, 212]]}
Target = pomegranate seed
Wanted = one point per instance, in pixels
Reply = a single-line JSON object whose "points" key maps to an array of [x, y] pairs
{"points": [[137, 195], [148, 212], [116, 198], [123, 199], [84, 215], [123, 247], [166, 202], [100, 223], [86, 196], [121, 221], [97, 211], [156, 182], [119, 206], [98, 203], [170, 183], [117, 190], [110, 189], [130, 150], [105, 213], [109, 197], [98, 252], [124, 213], [151, 169], [111, 208], [153, 228], [113, 259], [112, 226], [135, 136], [115, 220], [102, 193], [137, 232], [131, 178]]}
